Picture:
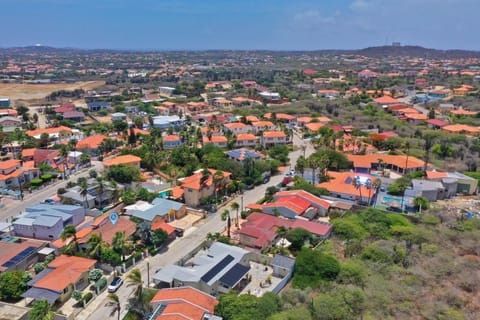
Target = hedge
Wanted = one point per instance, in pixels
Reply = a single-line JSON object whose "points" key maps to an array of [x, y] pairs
{"points": [[87, 297], [46, 177], [36, 182]]}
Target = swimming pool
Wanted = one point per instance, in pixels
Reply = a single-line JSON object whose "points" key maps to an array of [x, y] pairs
{"points": [[163, 194], [390, 199]]}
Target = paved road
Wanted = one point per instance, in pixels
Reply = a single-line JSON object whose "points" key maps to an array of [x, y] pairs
{"points": [[15, 207], [181, 246]]}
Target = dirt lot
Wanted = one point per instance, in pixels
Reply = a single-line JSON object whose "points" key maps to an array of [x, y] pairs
{"points": [[30, 94]]}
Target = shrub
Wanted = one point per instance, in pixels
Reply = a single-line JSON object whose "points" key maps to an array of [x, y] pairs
{"points": [[101, 284], [430, 219], [87, 297], [95, 274], [61, 191], [46, 177], [77, 295], [38, 267], [36, 182]]}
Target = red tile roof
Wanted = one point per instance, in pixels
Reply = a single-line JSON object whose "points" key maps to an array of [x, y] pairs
{"points": [[8, 250], [185, 302], [313, 200], [314, 126], [246, 136], [193, 182], [215, 139], [293, 203], [8, 164], [235, 125], [67, 270], [164, 226], [436, 174], [385, 100], [274, 134], [436, 122], [171, 138]]}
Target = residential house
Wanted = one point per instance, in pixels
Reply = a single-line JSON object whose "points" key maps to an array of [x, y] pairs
{"points": [[222, 103], [219, 141], [91, 145], [261, 230], [282, 117], [436, 124], [399, 163], [46, 221], [119, 116], [461, 129], [416, 118], [282, 266], [328, 94], [164, 122], [171, 141], [454, 182], [260, 126], [237, 128], [221, 269], [313, 127], [430, 189], [246, 140], [11, 174], [18, 255], [385, 101], [62, 276], [290, 207], [240, 155], [98, 196], [270, 96], [128, 159], [367, 74], [183, 303], [166, 91], [95, 106], [341, 185], [320, 205], [194, 189], [76, 116], [54, 132], [159, 210], [272, 138], [9, 124]]}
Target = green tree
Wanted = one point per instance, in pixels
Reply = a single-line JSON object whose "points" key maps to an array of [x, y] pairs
{"points": [[235, 206], [421, 203], [67, 233], [297, 238], [124, 173], [96, 246], [312, 267], [13, 284], [134, 278], [226, 217], [121, 244], [159, 237], [41, 311]]}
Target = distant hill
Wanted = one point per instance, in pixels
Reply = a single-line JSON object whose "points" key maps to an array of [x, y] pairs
{"points": [[375, 52], [416, 51]]}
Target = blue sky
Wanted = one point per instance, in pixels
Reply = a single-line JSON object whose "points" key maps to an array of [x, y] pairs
{"points": [[242, 24]]}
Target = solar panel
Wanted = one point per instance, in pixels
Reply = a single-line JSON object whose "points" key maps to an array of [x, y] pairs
{"points": [[234, 275], [8, 264], [23, 254], [348, 180], [217, 268]]}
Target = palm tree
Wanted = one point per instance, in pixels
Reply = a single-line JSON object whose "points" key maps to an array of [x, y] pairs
{"points": [[97, 246], [226, 216], [301, 165], [114, 302], [358, 185], [121, 244], [217, 178], [134, 278], [70, 232], [41, 311], [84, 193], [421, 203], [236, 206], [313, 164]]}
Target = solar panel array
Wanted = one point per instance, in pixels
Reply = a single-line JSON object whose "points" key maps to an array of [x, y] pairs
{"points": [[19, 257], [217, 268], [235, 274]]}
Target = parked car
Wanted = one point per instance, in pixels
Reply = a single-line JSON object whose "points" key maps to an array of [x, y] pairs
{"points": [[179, 232], [49, 201], [115, 284]]}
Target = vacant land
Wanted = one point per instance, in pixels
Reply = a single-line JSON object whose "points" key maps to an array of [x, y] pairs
{"points": [[29, 94]]}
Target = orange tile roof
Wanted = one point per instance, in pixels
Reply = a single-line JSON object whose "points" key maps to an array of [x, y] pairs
{"points": [[125, 159], [262, 124], [462, 112], [365, 161], [337, 184], [213, 139], [29, 165], [305, 195], [188, 310], [177, 192], [304, 119], [436, 174], [461, 128], [385, 100], [193, 182], [83, 233], [67, 270], [314, 126], [92, 142], [14, 174], [246, 136], [283, 116], [274, 134], [137, 131], [8, 164], [186, 295], [99, 220], [164, 226], [235, 125], [53, 130], [252, 118], [171, 138], [408, 110], [28, 152], [324, 119], [416, 116], [108, 230]]}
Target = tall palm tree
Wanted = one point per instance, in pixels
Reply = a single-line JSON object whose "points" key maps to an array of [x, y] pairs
{"points": [[134, 278], [236, 206], [84, 193], [314, 164], [226, 216], [301, 165], [70, 232], [121, 244], [217, 178], [114, 302], [358, 185], [97, 246]]}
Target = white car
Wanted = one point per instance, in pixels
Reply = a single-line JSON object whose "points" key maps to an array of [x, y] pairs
{"points": [[115, 284]]}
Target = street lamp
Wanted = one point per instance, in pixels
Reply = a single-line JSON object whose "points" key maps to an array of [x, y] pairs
{"points": [[148, 273]]}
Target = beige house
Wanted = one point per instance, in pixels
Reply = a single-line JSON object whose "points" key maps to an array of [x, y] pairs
{"points": [[199, 186]]}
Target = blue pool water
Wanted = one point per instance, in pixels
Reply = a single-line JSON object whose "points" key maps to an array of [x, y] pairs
{"points": [[389, 199], [163, 194]]}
